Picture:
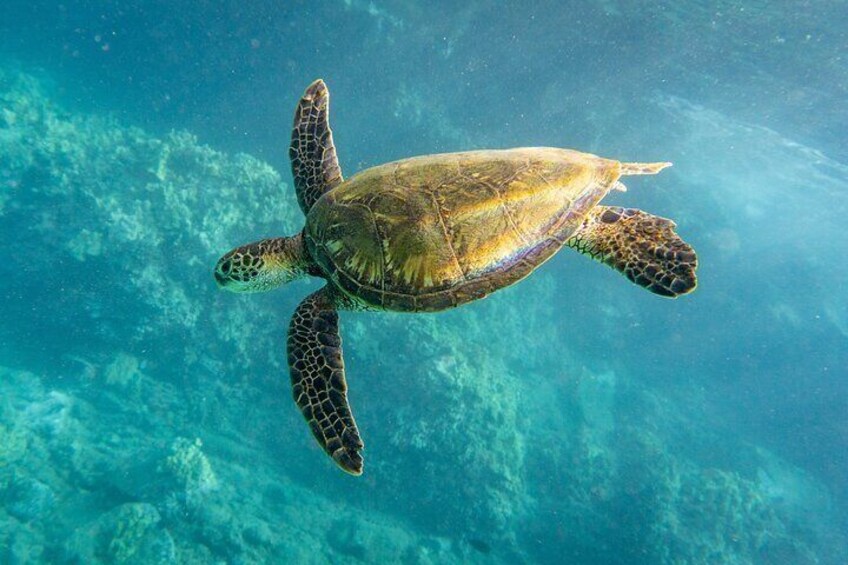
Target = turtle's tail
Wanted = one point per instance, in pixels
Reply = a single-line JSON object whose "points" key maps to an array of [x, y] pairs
{"points": [[642, 168]]}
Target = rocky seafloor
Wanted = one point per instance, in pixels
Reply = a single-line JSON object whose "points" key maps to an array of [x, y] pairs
{"points": [[146, 417]]}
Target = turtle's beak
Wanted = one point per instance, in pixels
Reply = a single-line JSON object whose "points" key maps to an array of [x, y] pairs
{"points": [[220, 278]]}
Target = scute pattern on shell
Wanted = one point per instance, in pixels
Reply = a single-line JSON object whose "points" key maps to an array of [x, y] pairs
{"points": [[433, 232]]}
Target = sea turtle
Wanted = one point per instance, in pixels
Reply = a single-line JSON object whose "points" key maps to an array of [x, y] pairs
{"points": [[435, 232]]}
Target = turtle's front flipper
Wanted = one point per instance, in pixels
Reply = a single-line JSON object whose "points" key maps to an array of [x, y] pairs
{"points": [[644, 248], [318, 379], [315, 166]]}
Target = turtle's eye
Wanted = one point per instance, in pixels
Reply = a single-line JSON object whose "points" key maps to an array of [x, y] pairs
{"points": [[224, 271]]}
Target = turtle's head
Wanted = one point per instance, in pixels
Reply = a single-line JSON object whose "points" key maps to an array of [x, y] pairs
{"points": [[262, 265]]}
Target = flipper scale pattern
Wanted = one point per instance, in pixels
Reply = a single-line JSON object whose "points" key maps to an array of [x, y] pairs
{"points": [[318, 379], [643, 247], [315, 166]]}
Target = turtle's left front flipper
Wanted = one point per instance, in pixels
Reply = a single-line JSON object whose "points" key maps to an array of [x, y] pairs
{"points": [[318, 379], [643, 247], [315, 166]]}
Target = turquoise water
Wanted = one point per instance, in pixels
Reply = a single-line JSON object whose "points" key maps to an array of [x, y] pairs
{"points": [[146, 417]]}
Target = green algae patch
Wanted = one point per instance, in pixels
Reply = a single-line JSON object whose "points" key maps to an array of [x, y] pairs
{"points": [[13, 446], [131, 533], [190, 467]]}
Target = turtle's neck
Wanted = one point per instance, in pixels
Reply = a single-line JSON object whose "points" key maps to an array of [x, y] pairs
{"points": [[289, 255]]}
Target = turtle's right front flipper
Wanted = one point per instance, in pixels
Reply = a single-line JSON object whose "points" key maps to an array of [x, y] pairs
{"points": [[318, 379]]}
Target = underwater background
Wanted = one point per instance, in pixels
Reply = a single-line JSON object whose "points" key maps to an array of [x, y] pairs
{"points": [[146, 417]]}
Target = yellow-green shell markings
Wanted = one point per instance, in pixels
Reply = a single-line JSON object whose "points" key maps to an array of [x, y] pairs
{"points": [[432, 232]]}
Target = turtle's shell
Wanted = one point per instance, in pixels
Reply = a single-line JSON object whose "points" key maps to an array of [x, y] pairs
{"points": [[433, 232]]}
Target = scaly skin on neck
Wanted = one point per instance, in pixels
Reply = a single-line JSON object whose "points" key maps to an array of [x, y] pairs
{"points": [[263, 265]]}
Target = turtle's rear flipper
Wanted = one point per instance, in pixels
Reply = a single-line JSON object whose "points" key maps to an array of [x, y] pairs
{"points": [[318, 379], [644, 248]]}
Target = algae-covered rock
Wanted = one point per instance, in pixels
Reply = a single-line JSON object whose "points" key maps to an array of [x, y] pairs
{"points": [[124, 375], [136, 538], [50, 415], [686, 511], [131, 533], [190, 468], [13, 444], [23, 545], [28, 499]]}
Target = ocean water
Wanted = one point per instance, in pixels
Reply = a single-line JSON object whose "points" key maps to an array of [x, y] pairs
{"points": [[146, 416]]}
